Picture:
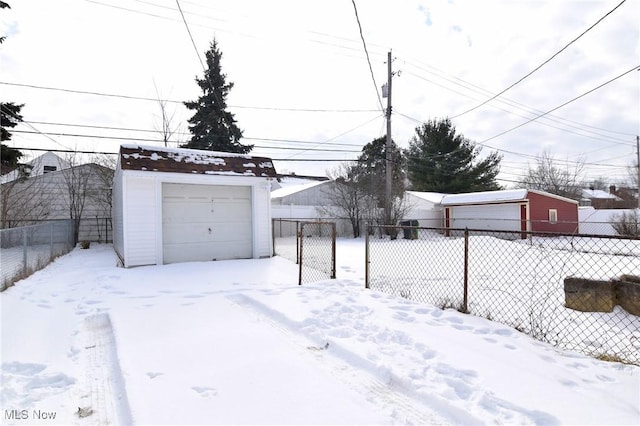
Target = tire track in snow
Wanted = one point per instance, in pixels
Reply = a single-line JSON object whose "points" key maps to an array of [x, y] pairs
{"points": [[343, 365], [106, 401]]}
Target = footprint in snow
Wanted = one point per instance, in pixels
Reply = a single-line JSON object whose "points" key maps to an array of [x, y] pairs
{"points": [[154, 374], [205, 392]]}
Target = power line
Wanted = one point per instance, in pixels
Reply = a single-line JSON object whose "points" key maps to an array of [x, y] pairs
{"points": [[616, 141], [73, 151], [541, 65], [161, 141], [635, 68], [364, 44], [532, 111], [141, 98], [298, 141]]}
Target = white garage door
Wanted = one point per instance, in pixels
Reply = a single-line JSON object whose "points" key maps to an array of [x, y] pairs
{"points": [[502, 217], [206, 222]]}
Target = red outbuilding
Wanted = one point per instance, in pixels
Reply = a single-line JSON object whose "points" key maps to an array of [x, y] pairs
{"points": [[511, 210]]}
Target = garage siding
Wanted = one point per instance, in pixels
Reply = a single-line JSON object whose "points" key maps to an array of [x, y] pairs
{"points": [[140, 233], [262, 220], [567, 213]]}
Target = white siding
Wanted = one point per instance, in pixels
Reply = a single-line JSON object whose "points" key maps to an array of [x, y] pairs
{"points": [[139, 237], [263, 246], [117, 219], [141, 214]]}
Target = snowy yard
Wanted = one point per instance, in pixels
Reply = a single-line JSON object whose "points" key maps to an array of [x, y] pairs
{"points": [[516, 282], [238, 342]]}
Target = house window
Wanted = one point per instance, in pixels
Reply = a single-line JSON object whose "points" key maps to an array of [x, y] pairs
{"points": [[553, 216], [48, 169]]}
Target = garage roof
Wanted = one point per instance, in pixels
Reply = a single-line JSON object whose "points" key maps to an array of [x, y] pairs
{"points": [[504, 196], [485, 197], [193, 161]]}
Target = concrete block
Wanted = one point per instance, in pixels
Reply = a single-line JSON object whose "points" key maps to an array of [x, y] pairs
{"points": [[589, 295], [628, 294]]}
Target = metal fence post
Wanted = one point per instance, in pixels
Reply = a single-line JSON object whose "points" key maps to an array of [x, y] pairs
{"points": [[298, 245], [51, 240], [24, 251], [366, 255], [333, 250], [465, 299], [299, 239], [273, 237]]}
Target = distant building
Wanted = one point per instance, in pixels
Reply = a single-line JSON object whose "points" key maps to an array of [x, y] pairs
{"points": [[45, 163]]}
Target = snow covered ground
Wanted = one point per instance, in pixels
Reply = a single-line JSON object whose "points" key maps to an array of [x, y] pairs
{"points": [[238, 342]]}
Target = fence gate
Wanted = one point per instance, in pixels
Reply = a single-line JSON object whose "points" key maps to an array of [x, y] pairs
{"points": [[317, 251]]}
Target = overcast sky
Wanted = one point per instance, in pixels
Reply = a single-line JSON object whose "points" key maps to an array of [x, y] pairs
{"points": [[301, 74]]}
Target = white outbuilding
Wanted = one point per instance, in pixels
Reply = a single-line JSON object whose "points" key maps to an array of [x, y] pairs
{"points": [[178, 205]]}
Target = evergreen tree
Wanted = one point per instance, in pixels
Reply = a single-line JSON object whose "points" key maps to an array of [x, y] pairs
{"points": [[9, 118], [372, 170], [440, 160], [213, 127]]}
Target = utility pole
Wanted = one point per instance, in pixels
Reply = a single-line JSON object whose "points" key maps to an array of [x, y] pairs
{"points": [[388, 151]]}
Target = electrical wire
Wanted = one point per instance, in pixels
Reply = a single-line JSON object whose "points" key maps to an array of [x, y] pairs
{"points": [[533, 111], [541, 65], [364, 44], [635, 68], [162, 141], [297, 141], [74, 151], [141, 98]]}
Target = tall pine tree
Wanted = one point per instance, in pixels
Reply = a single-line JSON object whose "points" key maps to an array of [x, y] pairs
{"points": [[440, 160], [9, 117], [212, 126]]}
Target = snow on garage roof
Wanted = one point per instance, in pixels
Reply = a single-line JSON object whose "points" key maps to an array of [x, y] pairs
{"points": [[194, 161], [283, 192], [485, 197], [432, 197]]}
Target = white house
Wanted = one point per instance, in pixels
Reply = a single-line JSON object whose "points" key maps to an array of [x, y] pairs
{"points": [[176, 205], [45, 163], [81, 192]]}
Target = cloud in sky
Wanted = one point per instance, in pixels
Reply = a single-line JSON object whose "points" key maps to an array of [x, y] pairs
{"points": [[299, 70]]}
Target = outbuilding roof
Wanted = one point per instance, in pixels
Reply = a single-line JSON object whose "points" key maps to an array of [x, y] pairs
{"points": [[485, 197], [503, 196], [283, 192], [193, 161], [432, 197]]}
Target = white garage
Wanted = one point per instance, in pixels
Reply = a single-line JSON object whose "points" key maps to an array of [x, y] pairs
{"points": [[179, 205]]}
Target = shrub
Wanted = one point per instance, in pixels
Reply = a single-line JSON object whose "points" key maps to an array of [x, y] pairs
{"points": [[627, 223]]}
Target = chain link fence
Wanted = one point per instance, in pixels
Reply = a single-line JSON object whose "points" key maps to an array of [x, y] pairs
{"points": [[27, 249], [285, 238], [312, 245], [575, 292], [317, 251]]}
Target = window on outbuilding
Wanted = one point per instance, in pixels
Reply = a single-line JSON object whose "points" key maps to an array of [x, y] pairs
{"points": [[553, 216], [48, 169]]}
